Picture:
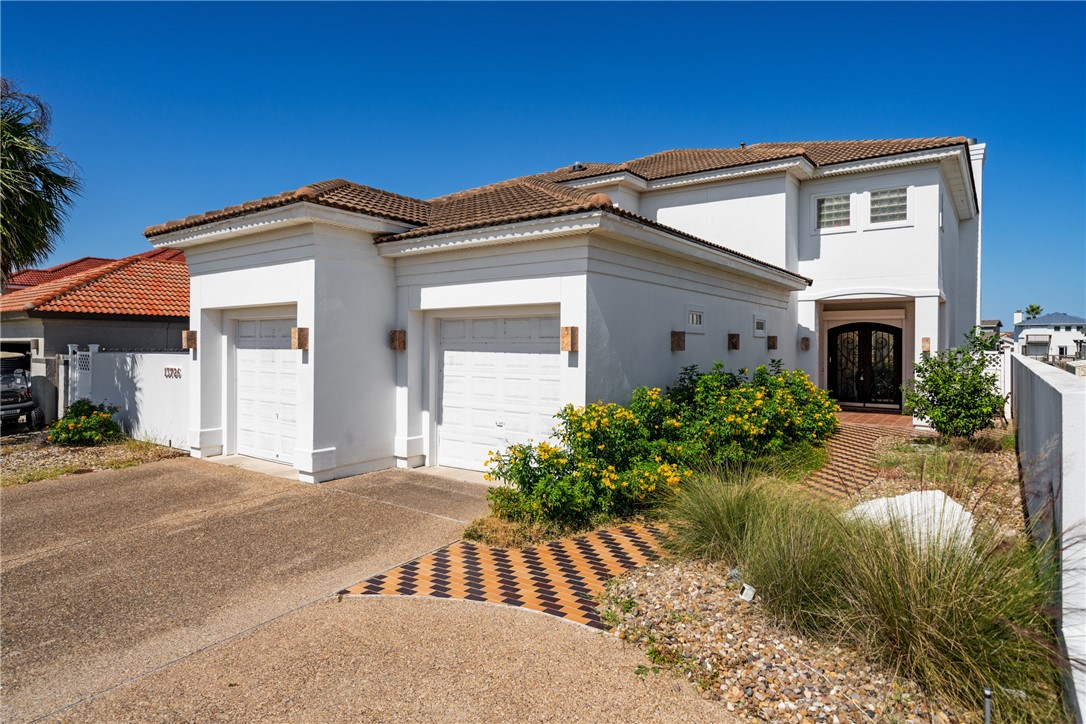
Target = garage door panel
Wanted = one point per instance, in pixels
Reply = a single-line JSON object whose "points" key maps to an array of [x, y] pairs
{"points": [[500, 384], [266, 389]]}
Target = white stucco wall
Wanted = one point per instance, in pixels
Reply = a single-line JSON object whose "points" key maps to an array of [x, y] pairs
{"points": [[864, 259], [1050, 410], [345, 383], [523, 279], [636, 298], [749, 216]]}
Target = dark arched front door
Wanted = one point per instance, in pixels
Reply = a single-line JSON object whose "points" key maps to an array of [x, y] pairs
{"points": [[865, 365]]}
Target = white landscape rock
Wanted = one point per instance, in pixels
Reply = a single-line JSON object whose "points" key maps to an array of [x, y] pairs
{"points": [[931, 515]]}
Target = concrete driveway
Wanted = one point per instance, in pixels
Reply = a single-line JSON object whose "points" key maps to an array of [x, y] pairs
{"points": [[187, 590]]}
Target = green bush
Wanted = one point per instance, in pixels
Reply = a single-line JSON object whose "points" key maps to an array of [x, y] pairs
{"points": [[954, 392], [85, 423], [612, 460], [955, 619]]}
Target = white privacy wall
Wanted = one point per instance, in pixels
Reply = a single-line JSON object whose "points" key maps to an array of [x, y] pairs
{"points": [[150, 390], [1050, 411]]}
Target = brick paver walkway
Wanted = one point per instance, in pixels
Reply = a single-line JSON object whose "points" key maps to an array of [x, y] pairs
{"points": [[559, 578], [562, 578]]}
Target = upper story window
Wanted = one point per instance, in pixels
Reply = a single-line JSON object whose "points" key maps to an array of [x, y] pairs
{"points": [[833, 212], [889, 205]]}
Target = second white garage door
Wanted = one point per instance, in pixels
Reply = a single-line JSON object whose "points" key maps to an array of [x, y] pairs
{"points": [[499, 384], [267, 389]]}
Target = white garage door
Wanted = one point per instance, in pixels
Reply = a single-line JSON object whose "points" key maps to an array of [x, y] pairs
{"points": [[500, 384], [267, 389]]}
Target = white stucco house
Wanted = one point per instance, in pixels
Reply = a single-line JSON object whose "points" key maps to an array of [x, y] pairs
{"points": [[1051, 336], [340, 328]]}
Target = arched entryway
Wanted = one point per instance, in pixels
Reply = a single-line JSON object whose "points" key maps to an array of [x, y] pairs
{"points": [[864, 365]]}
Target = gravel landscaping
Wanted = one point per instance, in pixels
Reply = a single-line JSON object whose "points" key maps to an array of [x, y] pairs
{"points": [[27, 457], [689, 618]]}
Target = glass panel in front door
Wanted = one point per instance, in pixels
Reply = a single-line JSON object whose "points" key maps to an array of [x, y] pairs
{"points": [[848, 367]]}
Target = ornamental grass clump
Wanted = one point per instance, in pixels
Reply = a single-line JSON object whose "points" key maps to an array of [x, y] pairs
{"points": [[609, 460], [85, 423], [954, 618]]}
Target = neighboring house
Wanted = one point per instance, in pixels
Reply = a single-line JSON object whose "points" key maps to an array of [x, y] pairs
{"points": [[991, 327], [32, 277], [1051, 336], [427, 332], [139, 302]]}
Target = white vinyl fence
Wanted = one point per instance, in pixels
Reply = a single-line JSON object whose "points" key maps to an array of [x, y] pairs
{"points": [[999, 364], [1050, 408], [150, 390]]}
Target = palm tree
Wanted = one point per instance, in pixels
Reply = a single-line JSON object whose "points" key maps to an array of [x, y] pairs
{"points": [[1033, 311], [36, 182]]}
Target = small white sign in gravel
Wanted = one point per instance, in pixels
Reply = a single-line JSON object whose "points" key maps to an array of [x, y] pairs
{"points": [[931, 515]]}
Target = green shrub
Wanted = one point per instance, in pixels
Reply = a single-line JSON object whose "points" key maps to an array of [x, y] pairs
{"points": [[85, 423], [612, 460], [955, 619], [954, 392]]}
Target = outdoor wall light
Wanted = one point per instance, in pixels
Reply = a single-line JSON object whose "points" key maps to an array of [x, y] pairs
{"points": [[188, 339], [299, 337], [925, 344], [397, 340], [733, 342], [771, 342], [569, 339], [678, 341], [804, 344]]}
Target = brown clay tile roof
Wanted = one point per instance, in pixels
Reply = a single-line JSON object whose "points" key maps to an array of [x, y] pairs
{"points": [[133, 286], [683, 161], [337, 194], [30, 277], [544, 195], [519, 199], [175, 256]]}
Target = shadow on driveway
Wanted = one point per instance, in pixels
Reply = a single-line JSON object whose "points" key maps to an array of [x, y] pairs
{"points": [[107, 576]]}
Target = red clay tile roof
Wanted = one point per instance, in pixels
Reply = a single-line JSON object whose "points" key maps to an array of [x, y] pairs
{"points": [[134, 286], [337, 194], [30, 277]]}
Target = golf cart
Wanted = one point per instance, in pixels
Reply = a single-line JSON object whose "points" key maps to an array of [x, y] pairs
{"points": [[17, 407]]}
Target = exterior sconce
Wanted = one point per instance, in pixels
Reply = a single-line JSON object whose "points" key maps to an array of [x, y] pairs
{"points": [[397, 340], [925, 344], [678, 341], [771, 342], [299, 337], [569, 339], [804, 344], [188, 339], [733, 342]]}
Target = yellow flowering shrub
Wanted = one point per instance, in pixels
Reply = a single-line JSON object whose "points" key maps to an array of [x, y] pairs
{"points": [[609, 459], [85, 423]]}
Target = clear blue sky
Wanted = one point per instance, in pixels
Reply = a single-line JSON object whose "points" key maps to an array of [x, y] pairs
{"points": [[174, 109]]}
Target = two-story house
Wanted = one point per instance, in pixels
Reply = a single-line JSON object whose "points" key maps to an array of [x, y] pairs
{"points": [[341, 328], [1051, 336]]}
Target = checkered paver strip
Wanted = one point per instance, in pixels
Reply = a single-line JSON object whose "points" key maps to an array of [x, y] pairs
{"points": [[559, 578], [851, 454]]}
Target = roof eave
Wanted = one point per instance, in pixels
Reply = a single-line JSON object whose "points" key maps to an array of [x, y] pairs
{"points": [[279, 217], [614, 221]]}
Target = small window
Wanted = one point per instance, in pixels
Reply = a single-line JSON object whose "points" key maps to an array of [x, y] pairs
{"points": [[759, 327], [889, 205], [695, 320], [1063, 351], [833, 212]]}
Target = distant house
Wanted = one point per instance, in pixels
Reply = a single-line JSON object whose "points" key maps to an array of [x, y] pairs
{"points": [[1052, 336], [342, 328], [32, 277], [991, 327], [139, 302]]}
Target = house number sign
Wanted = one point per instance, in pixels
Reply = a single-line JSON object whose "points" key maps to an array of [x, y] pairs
{"points": [[172, 373]]}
